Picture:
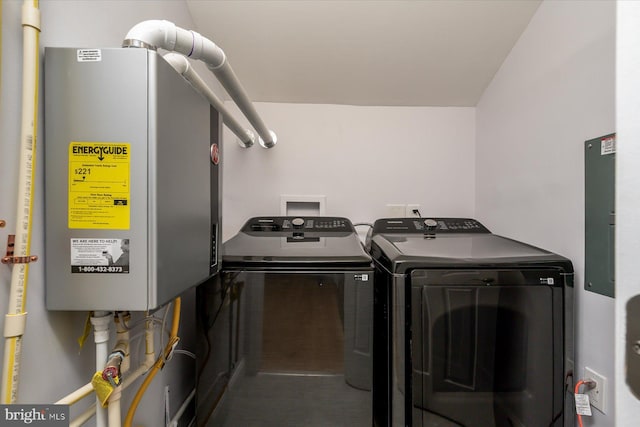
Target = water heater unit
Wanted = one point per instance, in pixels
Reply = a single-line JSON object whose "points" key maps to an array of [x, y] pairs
{"points": [[132, 181]]}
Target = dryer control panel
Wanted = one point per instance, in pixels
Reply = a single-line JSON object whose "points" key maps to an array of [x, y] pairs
{"points": [[428, 225], [298, 224]]}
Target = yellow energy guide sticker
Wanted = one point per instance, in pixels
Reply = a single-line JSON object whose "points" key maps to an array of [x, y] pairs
{"points": [[99, 187]]}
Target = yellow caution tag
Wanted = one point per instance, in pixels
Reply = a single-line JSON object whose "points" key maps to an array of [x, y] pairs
{"points": [[85, 333], [102, 387]]}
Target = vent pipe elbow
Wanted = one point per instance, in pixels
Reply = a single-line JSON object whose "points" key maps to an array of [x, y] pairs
{"points": [[151, 35], [166, 35]]}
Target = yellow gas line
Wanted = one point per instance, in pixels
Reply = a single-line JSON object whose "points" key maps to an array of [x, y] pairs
{"points": [[159, 364], [15, 320]]}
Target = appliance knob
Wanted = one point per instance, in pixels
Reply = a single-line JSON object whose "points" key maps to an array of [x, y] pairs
{"points": [[431, 224], [297, 222]]}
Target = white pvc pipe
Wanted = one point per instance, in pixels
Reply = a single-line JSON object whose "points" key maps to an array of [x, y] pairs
{"points": [[100, 321], [77, 395], [122, 344], [129, 379], [115, 416], [123, 341], [181, 64], [225, 73], [166, 35], [15, 320], [149, 358], [176, 418], [83, 417]]}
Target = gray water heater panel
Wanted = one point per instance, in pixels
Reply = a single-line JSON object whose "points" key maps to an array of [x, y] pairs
{"points": [[127, 160]]}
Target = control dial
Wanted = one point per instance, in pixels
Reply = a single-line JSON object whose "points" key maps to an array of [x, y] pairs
{"points": [[431, 224], [297, 222]]}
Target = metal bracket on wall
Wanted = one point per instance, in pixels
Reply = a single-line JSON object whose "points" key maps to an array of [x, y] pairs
{"points": [[10, 259]]}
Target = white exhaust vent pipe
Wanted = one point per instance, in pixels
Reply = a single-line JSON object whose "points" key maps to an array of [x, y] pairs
{"points": [[166, 35], [180, 63]]}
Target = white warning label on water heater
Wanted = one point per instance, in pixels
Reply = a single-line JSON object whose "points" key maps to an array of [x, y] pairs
{"points": [[100, 255], [89, 55], [99, 185]]}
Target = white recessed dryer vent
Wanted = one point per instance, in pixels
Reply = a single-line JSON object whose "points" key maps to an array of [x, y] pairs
{"points": [[301, 205]]}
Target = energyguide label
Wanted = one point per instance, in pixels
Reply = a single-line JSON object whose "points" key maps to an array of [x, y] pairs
{"points": [[99, 185]]}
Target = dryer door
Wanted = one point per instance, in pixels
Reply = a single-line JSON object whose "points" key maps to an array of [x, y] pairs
{"points": [[487, 348]]}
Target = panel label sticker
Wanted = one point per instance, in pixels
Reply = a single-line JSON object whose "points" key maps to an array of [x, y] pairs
{"points": [[89, 55], [100, 256], [99, 185], [608, 146], [361, 277]]}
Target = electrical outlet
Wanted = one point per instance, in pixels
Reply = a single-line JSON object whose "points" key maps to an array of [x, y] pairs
{"points": [[409, 212], [596, 394], [396, 211]]}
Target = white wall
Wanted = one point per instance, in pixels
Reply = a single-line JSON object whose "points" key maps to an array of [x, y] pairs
{"points": [[554, 91], [628, 202], [52, 365], [360, 158]]}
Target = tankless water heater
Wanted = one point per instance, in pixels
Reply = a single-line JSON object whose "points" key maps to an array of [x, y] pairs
{"points": [[132, 181]]}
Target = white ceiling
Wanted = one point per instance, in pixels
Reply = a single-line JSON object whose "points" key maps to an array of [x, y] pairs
{"points": [[417, 53]]}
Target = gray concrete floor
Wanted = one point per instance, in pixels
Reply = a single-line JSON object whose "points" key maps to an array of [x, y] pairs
{"points": [[271, 400]]}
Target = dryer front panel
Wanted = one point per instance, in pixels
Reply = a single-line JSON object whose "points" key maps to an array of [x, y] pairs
{"points": [[485, 348]]}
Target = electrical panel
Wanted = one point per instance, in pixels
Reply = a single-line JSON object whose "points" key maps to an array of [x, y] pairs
{"points": [[132, 181], [600, 217]]}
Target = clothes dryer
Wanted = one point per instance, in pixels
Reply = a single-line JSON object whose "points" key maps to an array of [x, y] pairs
{"points": [[471, 329], [301, 340]]}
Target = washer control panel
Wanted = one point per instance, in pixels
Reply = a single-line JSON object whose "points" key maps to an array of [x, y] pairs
{"points": [[428, 225], [298, 224]]}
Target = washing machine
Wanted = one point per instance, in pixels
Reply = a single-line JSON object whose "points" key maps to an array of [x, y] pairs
{"points": [[471, 328], [299, 334]]}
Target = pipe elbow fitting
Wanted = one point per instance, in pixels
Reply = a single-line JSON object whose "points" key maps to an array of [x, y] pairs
{"points": [[212, 55], [195, 46], [152, 34]]}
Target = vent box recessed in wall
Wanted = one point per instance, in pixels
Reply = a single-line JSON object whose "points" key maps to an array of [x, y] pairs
{"points": [[132, 191]]}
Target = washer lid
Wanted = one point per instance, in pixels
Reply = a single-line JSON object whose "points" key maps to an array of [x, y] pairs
{"points": [[309, 242]]}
